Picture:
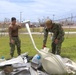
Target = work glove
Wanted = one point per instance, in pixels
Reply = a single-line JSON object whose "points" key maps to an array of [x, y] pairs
{"points": [[43, 46]]}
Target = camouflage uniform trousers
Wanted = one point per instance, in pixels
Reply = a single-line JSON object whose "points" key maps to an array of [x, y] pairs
{"points": [[18, 45], [56, 48]]}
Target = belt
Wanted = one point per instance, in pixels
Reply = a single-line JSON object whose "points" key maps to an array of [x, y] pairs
{"points": [[14, 36]]}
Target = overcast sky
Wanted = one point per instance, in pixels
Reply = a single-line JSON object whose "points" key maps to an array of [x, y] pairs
{"points": [[35, 9]]}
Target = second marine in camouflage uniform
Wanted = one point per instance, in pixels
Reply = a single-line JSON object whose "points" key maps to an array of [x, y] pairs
{"points": [[58, 36]]}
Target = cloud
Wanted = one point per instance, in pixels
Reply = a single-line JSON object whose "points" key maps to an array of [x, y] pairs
{"points": [[34, 9], [8, 9]]}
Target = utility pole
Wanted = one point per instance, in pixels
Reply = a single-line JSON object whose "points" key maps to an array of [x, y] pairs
{"points": [[71, 18], [70, 24], [71, 21], [20, 17], [53, 17]]}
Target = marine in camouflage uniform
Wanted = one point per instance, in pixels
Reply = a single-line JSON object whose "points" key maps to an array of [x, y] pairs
{"points": [[58, 36], [14, 38]]}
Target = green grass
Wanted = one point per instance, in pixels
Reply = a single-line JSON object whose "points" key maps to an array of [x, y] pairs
{"points": [[68, 46]]}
